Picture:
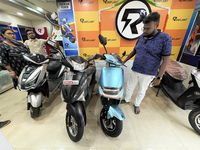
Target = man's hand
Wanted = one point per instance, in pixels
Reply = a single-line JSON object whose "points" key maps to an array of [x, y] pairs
{"points": [[13, 75], [155, 82], [49, 37]]}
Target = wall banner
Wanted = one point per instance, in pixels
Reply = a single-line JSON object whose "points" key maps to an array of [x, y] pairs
{"points": [[129, 18], [67, 24]]}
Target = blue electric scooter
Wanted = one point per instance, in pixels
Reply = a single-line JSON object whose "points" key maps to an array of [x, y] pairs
{"points": [[111, 90]]}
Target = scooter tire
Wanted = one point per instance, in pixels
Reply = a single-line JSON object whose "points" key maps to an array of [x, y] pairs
{"points": [[115, 126], [35, 112], [74, 130], [194, 119]]}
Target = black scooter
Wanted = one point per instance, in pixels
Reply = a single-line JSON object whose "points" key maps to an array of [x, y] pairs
{"points": [[185, 98], [77, 87]]}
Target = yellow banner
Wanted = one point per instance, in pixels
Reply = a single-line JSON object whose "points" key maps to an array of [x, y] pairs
{"points": [[87, 53], [113, 39], [175, 52], [179, 18], [87, 21], [108, 3]]}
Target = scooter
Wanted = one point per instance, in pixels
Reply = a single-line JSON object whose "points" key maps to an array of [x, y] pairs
{"points": [[185, 98], [77, 87], [111, 90], [37, 82], [67, 30]]}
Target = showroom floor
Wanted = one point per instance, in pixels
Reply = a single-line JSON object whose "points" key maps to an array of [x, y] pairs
{"points": [[160, 126]]}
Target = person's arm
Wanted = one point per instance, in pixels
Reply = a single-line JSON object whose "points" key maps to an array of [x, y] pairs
{"points": [[162, 69], [5, 61], [47, 39], [130, 56], [12, 73], [26, 43]]}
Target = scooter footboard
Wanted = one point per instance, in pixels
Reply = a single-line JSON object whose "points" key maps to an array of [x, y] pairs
{"points": [[78, 111], [115, 111], [35, 99]]}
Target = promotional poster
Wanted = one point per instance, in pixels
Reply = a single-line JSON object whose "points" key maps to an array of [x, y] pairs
{"points": [[190, 48], [68, 27]]}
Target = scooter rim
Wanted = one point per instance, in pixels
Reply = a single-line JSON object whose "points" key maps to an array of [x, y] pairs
{"points": [[197, 121], [73, 127]]}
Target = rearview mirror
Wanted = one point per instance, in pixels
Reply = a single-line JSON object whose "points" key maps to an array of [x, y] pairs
{"points": [[124, 53], [102, 40]]}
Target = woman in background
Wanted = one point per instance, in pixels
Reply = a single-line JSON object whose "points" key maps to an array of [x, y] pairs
{"points": [[9, 53], [10, 58]]}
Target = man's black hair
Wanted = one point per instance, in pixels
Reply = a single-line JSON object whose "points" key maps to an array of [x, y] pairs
{"points": [[154, 16], [4, 29], [28, 29]]}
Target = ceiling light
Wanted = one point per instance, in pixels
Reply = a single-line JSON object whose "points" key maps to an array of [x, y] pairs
{"points": [[20, 14], [40, 9]]}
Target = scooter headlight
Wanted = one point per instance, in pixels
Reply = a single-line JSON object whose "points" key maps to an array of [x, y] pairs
{"points": [[111, 90], [78, 67]]}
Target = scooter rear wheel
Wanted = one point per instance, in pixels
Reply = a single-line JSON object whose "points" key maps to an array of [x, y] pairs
{"points": [[74, 130], [194, 119], [111, 127], [35, 112]]}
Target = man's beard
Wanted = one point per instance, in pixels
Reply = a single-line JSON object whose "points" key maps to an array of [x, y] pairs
{"points": [[32, 37], [150, 35]]}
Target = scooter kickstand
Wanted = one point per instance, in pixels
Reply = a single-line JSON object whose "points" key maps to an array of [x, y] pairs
{"points": [[158, 91]]}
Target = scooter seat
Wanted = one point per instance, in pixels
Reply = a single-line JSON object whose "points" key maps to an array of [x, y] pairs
{"points": [[176, 71]]}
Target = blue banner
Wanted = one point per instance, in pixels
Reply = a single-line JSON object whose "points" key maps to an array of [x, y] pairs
{"points": [[68, 27]]}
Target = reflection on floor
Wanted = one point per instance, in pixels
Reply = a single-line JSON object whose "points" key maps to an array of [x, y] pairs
{"points": [[160, 126]]}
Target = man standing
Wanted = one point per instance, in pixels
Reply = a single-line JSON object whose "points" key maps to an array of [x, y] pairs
{"points": [[152, 47], [35, 45]]}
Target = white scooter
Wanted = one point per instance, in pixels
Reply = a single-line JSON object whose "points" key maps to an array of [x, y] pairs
{"points": [[39, 79]]}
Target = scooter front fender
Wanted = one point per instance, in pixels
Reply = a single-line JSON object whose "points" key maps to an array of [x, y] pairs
{"points": [[115, 111], [78, 111], [35, 99]]}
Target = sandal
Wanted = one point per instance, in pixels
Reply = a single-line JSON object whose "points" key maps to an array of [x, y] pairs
{"points": [[136, 109]]}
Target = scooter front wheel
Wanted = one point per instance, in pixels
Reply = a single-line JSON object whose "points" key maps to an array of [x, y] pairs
{"points": [[112, 126], [74, 130], [194, 119], [34, 111]]}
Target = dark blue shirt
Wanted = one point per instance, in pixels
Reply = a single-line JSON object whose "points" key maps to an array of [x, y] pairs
{"points": [[149, 53]]}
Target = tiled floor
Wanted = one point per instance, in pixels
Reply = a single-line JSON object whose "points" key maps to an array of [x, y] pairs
{"points": [[160, 126]]}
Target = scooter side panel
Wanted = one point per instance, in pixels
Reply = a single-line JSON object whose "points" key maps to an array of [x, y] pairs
{"points": [[190, 99], [112, 77], [71, 93]]}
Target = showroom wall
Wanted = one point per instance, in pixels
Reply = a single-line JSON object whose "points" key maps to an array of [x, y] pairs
{"points": [[19, 21], [88, 26]]}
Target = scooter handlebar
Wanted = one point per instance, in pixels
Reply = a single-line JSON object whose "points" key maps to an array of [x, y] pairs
{"points": [[54, 59], [96, 56]]}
